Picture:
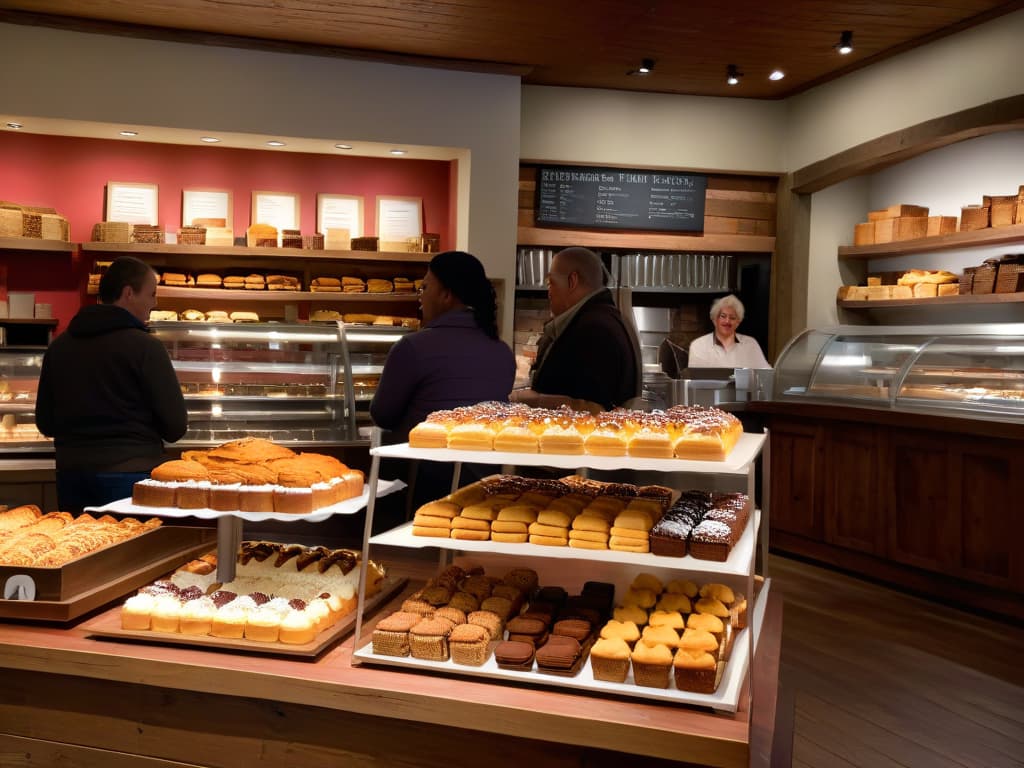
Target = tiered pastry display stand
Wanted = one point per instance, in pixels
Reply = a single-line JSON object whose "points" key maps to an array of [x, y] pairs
{"points": [[608, 565], [230, 523]]}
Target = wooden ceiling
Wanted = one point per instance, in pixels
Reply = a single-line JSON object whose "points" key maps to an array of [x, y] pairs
{"points": [[591, 43]]}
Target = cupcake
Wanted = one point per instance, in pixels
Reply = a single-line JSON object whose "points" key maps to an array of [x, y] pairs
{"points": [[609, 660], [137, 611], [662, 635], [622, 630], [196, 617], [166, 613], [695, 671], [651, 665], [297, 628], [672, 619]]}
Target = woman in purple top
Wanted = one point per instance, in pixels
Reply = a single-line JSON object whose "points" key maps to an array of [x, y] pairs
{"points": [[455, 359]]}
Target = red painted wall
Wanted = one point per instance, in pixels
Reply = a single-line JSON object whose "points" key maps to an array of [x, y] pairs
{"points": [[70, 175]]}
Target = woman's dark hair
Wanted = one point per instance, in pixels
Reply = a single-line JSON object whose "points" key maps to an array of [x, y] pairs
{"points": [[125, 270], [463, 275]]}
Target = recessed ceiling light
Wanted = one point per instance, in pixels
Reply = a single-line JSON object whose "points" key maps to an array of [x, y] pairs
{"points": [[343, 146], [777, 74], [275, 144], [845, 42], [732, 75], [15, 126], [129, 133], [397, 151], [210, 139]]}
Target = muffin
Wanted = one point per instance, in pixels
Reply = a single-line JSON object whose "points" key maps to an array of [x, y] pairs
{"points": [[428, 639], [469, 644], [609, 660], [391, 635], [651, 665], [695, 671], [660, 636], [622, 630]]}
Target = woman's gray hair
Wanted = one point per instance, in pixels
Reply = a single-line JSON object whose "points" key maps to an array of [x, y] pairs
{"points": [[723, 303]]}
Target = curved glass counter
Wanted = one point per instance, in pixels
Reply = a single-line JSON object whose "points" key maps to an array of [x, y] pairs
{"points": [[974, 371]]}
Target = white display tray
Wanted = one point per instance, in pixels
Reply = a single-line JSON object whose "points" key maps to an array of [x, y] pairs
{"points": [[743, 453], [347, 507], [737, 564], [726, 698]]}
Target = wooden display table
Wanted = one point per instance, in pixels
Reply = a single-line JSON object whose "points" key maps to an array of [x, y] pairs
{"points": [[92, 702]]}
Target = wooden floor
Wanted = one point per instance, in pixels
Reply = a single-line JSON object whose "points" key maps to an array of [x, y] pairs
{"points": [[875, 678]]}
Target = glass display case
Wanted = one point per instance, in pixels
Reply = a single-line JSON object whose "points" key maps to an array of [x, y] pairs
{"points": [[368, 347], [974, 371], [19, 381], [288, 383]]}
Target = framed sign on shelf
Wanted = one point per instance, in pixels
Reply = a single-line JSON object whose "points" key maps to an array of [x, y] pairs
{"points": [[398, 219], [339, 212], [206, 204], [132, 202], [279, 209]]}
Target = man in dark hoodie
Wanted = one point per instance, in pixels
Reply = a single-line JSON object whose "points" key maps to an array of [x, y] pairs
{"points": [[108, 395]]}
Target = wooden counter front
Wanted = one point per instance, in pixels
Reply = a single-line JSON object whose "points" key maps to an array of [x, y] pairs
{"points": [[93, 702], [930, 503]]}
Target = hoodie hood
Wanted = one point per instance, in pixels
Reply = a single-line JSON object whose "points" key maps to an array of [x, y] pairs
{"points": [[99, 319]]}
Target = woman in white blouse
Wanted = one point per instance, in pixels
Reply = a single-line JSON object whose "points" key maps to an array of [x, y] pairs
{"points": [[723, 347]]}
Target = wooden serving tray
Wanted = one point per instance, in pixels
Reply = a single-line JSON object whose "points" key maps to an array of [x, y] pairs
{"points": [[108, 625], [74, 589]]}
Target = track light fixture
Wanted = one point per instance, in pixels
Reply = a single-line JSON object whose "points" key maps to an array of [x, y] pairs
{"points": [[732, 75], [645, 68], [845, 45]]}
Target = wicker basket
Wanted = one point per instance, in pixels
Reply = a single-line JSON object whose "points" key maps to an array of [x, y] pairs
{"points": [[1002, 208], [984, 279], [148, 234], [314, 242], [31, 225], [973, 217], [10, 222], [364, 243], [192, 235], [112, 232], [967, 280], [1010, 278], [291, 238]]}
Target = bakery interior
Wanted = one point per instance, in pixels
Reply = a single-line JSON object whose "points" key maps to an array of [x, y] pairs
{"points": [[882, 446]]}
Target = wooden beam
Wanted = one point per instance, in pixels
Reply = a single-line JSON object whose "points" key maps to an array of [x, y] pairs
{"points": [[871, 156]]}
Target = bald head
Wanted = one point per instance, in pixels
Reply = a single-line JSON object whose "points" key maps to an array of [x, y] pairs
{"points": [[575, 273]]}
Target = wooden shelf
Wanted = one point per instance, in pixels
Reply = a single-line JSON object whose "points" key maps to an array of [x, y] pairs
{"points": [[974, 299], [238, 251], [32, 244], [977, 238], [169, 292], [51, 322], [643, 241]]}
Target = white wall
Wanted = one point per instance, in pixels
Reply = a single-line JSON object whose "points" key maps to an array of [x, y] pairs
{"points": [[834, 211], [144, 82], [945, 180], [651, 129], [973, 67]]}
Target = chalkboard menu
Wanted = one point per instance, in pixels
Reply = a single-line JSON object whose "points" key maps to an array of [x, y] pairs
{"points": [[617, 198]]}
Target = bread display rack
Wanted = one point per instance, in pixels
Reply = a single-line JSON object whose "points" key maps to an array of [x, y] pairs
{"points": [[741, 563]]}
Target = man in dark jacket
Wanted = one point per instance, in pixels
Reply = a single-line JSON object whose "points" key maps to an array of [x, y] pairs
{"points": [[587, 356], [108, 394]]}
